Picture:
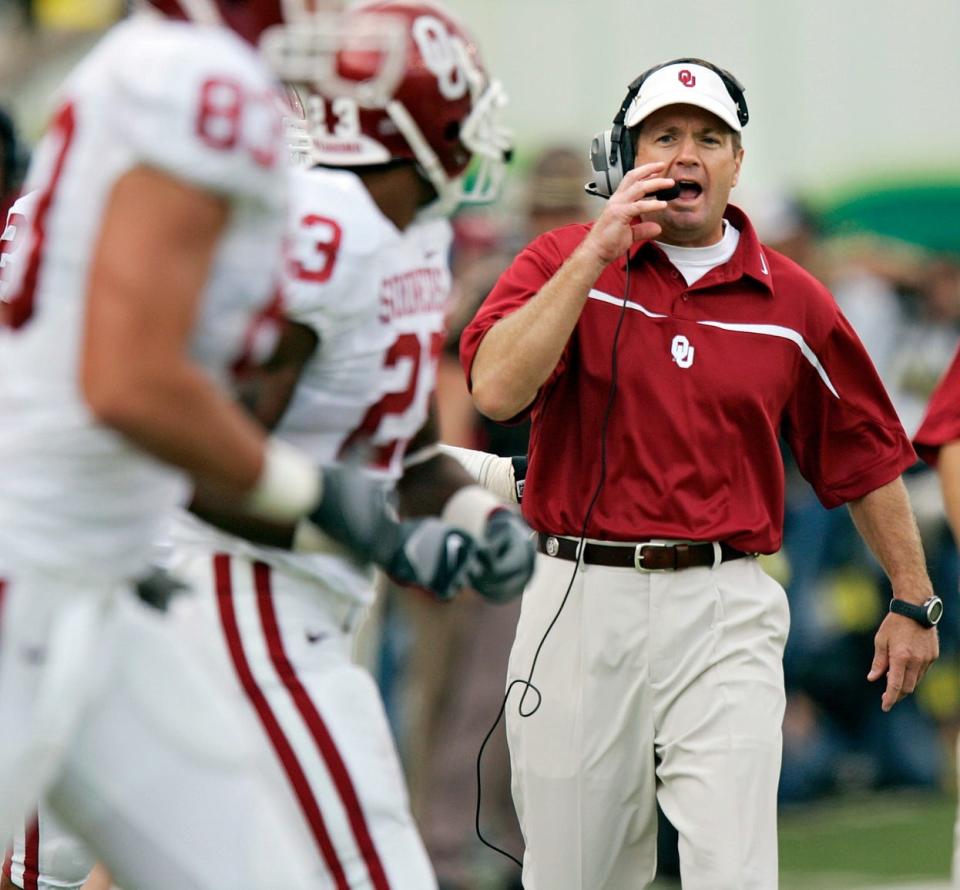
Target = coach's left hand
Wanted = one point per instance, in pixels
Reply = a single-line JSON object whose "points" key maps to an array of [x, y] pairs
{"points": [[903, 650]]}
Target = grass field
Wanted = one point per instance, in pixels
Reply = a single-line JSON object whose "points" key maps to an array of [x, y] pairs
{"points": [[902, 841], [891, 840]]}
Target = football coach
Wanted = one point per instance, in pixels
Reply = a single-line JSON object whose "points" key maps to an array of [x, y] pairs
{"points": [[660, 353]]}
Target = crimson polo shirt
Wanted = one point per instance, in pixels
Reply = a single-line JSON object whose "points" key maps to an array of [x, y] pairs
{"points": [[708, 375], [941, 423]]}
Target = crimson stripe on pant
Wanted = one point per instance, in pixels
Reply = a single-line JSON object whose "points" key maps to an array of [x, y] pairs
{"points": [[318, 729], [31, 855], [301, 787]]}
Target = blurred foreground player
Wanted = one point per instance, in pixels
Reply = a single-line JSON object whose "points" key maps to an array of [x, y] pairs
{"points": [[367, 291], [147, 276]]}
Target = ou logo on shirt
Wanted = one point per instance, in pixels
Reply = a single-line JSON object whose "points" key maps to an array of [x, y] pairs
{"points": [[682, 351]]}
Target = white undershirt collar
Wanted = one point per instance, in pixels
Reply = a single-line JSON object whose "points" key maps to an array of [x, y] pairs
{"points": [[694, 262]]}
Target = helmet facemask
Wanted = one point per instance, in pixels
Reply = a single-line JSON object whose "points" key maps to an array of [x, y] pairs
{"points": [[482, 134]]}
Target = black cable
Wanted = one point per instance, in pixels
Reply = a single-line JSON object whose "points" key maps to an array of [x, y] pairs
{"points": [[528, 683]]}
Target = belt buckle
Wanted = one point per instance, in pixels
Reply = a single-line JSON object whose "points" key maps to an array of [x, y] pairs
{"points": [[638, 556]]}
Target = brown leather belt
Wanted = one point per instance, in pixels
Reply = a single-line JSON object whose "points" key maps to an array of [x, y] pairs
{"points": [[644, 557]]}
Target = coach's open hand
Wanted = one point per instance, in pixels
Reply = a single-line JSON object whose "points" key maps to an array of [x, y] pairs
{"points": [[903, 650], [621, 224]]}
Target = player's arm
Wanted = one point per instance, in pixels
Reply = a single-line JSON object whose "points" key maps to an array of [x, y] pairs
{"points": [[518, 354], [434, 483], [147, 277], [268, 389], [265, 393], [504, 476], [903, 648], [430, 477]]}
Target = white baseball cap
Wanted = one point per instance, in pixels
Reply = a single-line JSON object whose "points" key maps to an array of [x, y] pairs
{"points": [[683, 83]]}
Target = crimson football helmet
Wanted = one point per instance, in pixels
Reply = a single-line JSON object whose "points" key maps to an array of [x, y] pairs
{"points": [[299, 39], [444, 114]]}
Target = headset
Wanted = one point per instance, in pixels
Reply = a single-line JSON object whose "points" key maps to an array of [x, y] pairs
{"points": [[612, 151]]}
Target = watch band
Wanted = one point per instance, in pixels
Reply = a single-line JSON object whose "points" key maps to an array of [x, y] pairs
{"points": [[928, 614]]}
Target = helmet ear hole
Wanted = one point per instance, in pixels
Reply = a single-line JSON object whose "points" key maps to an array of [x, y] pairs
{"points": [[451, 132]]}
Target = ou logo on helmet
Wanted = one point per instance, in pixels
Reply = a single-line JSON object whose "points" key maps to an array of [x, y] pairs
{"points": [[444, 55], [682, 351]]}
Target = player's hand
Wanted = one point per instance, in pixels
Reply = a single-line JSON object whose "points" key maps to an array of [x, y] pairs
{"points": [[621, 224], [505, 558], [430, 554], [903, 650], [354, 511]]}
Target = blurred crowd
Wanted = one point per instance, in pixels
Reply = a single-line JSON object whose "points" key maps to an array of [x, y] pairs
{"points": [[442, 667]]}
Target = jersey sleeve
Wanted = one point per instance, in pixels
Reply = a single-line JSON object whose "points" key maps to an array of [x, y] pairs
{"points": [[201, 107], [529, 272], [941, 423], [329, 306], [323, 273], [840, 423]]}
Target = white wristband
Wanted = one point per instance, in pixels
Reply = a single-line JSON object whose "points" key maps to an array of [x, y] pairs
{"points": [[469, 508], [289, 485], [491, 471]]}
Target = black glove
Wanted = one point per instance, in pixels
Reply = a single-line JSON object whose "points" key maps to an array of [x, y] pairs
{"points": [[428, 553], [431, 554], [158, 588], [505, 558], [353, 510]]}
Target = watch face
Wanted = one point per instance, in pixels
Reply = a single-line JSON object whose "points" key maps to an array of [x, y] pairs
{"points": [[935, 610]]}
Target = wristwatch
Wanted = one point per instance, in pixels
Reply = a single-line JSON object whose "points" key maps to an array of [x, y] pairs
{"points": [[928, 614]]}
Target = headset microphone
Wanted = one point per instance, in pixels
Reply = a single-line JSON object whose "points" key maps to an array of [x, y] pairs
{"points": [[663, 195], [668, 194]]}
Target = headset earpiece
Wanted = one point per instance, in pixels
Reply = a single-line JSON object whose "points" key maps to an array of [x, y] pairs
{"points": [[612, 152], [611, 156]]}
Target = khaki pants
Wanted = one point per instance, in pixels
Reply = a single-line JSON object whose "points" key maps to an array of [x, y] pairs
{"points": [[661, 686]]}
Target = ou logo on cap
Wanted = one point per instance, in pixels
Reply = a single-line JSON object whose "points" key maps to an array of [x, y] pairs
{"points": [[687, 78]]}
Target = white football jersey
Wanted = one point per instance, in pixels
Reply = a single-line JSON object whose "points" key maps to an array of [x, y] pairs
{"points": [[198, 104], [378, 300]]}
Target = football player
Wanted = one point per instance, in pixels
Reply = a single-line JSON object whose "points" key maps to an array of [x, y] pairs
{"points": [[147, 274], [367, 289]]}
